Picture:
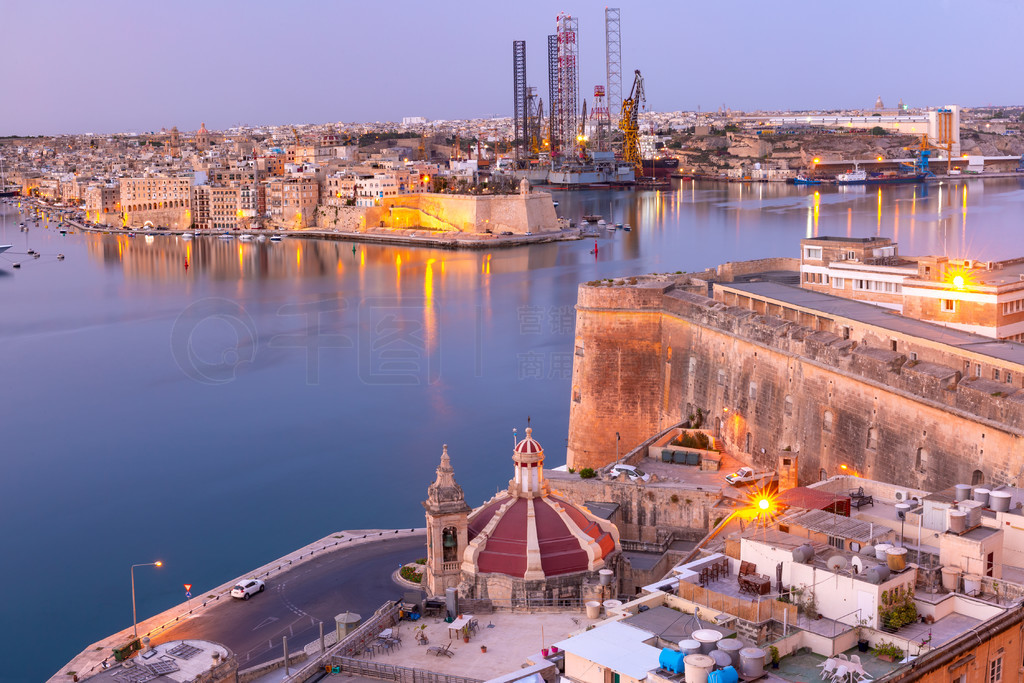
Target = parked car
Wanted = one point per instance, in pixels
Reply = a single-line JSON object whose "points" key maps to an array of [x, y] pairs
{"points": [[246, 588], [633, 473]]}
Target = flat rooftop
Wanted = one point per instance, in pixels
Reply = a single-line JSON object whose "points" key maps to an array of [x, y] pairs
{"points": [[869, 314]]}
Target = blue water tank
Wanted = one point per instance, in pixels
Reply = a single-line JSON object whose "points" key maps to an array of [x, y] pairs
{"points": [[724, 675], [672, 660]]}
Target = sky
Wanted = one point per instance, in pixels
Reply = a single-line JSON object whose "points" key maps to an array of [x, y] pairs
{"points": [[105, 66]]}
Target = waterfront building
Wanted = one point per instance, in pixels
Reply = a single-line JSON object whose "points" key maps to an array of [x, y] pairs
{"points": [[526, 542], [103, 203], [160, 200], [983, 297], [292, 201]]}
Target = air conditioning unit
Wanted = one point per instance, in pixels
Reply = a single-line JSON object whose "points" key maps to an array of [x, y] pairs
{"points": [[902, 496], [968, 263]]}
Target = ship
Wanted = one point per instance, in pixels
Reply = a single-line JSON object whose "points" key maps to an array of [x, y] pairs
{"points": [[660, 167], [859, 176], [804, 180]]}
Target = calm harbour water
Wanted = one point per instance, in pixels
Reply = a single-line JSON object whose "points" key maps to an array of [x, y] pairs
{"points": [[219, 416]]}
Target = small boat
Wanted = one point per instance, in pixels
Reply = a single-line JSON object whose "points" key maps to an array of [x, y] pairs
{"points": [[275, 238], [245, 237], [804, 180], [555, 204], [187, 235], [618, 226], [261, 238], [627, 227], [602, 222], [226, 236]]}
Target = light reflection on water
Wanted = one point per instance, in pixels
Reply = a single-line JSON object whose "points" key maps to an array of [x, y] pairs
{"points": [[114, 453]]}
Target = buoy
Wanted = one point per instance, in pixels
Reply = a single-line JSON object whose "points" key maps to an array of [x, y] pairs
{"points": [[186, 264], [60, 257], [35, 255], [31, 251]]}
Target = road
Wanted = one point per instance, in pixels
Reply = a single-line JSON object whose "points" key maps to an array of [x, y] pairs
{"points": [[295, 602]]}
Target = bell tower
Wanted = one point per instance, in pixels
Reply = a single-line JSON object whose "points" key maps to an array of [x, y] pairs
{"points": [[447, 524]]}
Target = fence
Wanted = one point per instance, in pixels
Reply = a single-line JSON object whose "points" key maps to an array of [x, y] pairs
{"points": [[353, 643], [749, 609], [390, 672]]}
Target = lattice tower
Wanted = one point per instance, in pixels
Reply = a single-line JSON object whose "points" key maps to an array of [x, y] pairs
{"points": [[553, 92], [568, 83], [613, 58], [519, 111]]}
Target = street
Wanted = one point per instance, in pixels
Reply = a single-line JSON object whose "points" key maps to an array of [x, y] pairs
{"points": [[295, 602]]}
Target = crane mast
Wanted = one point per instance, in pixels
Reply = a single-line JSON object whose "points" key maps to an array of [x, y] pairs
{"points": [[629, 123]]}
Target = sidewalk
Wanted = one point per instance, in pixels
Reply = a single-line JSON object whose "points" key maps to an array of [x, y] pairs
{"points": [[88, 662]]}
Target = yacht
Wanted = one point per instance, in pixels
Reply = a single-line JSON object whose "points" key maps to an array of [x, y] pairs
{"points": [[245, 237], [275, 238], [187, 235], [5, 247]]}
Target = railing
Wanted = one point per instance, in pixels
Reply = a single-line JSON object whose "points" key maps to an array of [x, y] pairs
{"points": [[354, 643], [391, 672], [450, 566]]}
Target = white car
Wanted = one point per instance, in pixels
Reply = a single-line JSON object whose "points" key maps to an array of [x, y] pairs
{"points": [[633, 473], [246, 588]]}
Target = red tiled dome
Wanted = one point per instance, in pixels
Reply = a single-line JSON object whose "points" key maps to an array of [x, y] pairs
{"points": [[565, 542]]}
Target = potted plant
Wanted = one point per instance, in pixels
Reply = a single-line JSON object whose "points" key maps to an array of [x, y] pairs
{"points": [[773, 652], [483, 648], [888, 652], [465, 634], [862, 639]]}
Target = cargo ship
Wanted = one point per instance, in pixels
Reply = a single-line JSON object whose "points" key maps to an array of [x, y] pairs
{"points": [[861, 177], [662, 167]]}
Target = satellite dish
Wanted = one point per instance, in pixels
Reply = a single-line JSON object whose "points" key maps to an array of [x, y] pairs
{"points": [[836, 563], [858, 564]]}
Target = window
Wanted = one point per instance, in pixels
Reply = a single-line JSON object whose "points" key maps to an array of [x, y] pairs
{"points": [[921, 462], [837, 542], [872, 438], [995, 374], [977, 370], [995, 670], [753, 391], [838, 283], [721, 377], [812, 253], [948, 305], [850, 255], [826, 424], [1009, 378]]}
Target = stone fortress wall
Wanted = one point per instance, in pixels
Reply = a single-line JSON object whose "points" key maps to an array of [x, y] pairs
{"points": [[518, 214], [649, 354]]}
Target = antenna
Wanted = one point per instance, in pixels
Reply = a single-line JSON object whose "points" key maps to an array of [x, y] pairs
{"points": [[836, 563]]}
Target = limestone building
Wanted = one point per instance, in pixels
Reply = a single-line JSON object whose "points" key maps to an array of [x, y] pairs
{"points": [[526, 543]]}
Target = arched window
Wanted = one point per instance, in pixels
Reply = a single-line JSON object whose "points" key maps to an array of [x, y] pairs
{"points": [[450, 544], [822, 474], [921, 462], [749, 440], [826, 424], [978, 477]]}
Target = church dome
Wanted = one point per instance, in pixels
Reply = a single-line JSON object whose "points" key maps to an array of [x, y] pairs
{"points": [[530, 532]]}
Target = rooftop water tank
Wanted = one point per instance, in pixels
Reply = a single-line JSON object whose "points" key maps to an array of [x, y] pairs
{"points": [[724, 675], [708, 639], [697, 668], [689, 647], [732, 647], [974, 516], [670, 660], [880, 550], [957, 521], [877, 574], [999, 501], [722, 659], [962, 492], [981, 495], [751, 662], [896, 559], [803, 553]]}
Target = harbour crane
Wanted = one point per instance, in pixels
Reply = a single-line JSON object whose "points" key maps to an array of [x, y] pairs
{"points": [[629, 123]]}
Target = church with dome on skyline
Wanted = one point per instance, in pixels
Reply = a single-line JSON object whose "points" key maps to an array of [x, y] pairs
{"points": [[526, 543]]}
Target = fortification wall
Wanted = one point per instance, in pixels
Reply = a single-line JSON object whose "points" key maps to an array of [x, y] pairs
{"points": [[648, 355], [175, 219], [518, 214], [347, 218]]}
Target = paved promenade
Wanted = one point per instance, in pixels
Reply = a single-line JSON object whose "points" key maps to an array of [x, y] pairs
{"points": [[89, 661]]}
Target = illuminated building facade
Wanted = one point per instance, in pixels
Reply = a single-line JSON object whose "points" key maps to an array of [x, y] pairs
{"points": [[291, 202], [158, 200]]}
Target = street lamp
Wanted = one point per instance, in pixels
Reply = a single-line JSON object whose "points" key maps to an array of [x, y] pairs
{"points": [[135, 624]]}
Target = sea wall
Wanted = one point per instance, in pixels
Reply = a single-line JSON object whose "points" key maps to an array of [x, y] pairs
{"points": [[518, 214], [649, 354]]}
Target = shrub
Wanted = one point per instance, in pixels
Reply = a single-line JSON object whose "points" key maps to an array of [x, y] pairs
{"points": [[410, 574], [421, 560], [697, 440], [587, 473], [888, 649]]}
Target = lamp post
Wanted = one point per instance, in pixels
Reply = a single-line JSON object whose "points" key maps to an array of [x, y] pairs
{"points": [[135, 624]]}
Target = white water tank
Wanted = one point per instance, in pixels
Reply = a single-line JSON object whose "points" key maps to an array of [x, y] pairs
{"points": [[999, 501], [881, 549], [708, 639], [751, 663], [962, 492], [732, 647], [697, 667], [981, 495], [689, 647]]}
